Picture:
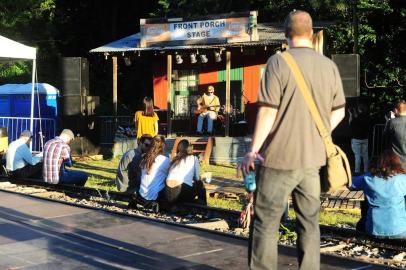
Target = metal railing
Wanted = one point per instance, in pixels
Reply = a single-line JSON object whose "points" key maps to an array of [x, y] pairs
{"points": [[109, 125], [379, 141], [15, 125]]}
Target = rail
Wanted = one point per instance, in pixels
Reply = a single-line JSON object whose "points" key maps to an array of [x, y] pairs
{"points": [[15, 125], [109, 125], [379, 141], [346, 234]]}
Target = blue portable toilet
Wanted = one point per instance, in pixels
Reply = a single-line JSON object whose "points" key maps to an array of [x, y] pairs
{"points": [[5, 109], [45, 94], [15, 109]]}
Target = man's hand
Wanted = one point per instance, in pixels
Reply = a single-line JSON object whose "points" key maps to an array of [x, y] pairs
{"points": [[248, 163]]}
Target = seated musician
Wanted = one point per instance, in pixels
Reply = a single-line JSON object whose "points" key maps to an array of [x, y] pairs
{"points": [[208, 107]]}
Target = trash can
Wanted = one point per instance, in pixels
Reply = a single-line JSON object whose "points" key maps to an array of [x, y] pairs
{"points": [[3, 139]]}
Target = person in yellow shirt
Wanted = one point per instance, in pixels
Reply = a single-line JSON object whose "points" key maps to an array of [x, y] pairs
{"points": [[146, 121], [208, 107]]}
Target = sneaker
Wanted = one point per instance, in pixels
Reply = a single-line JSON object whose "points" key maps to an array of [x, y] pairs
{"points": [[155, 207], [132, 204]]}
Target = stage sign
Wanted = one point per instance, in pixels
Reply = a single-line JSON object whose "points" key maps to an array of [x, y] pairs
{"points": [[226, 28]]}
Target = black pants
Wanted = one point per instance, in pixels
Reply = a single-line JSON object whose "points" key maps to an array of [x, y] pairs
{"points": [[136, 198], [186, 193], [361, 224], [29, 171]]}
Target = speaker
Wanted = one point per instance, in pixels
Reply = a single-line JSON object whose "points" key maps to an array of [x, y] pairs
{"points": [[79, 105], [348, 65], [74, 73]]}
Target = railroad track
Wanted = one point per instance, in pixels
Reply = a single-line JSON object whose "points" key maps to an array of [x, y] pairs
{"points": [[334, 239]]}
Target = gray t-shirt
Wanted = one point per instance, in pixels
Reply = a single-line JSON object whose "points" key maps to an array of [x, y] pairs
{"points": [[396, 131], [129, 172], [294, 141]]}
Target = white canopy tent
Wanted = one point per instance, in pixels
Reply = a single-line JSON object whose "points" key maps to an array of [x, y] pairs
{"points": [[12, 50]]}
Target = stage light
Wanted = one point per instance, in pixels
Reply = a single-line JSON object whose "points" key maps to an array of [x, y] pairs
{"points": [[217, 57], [203, 58], [127, 61], [178, 59], [193, 58]]}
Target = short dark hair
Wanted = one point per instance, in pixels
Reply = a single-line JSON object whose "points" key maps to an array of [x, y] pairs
{"points": [[143, 138], [298, 23], [401, 106]]}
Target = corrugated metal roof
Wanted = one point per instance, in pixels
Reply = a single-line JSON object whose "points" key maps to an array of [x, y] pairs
{"points": [[269, 34]]}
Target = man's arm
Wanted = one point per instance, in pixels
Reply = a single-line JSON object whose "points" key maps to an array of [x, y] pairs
{"points": [[27, 155], [65, 154], [265, 120], [336, 117], [217, 103]]}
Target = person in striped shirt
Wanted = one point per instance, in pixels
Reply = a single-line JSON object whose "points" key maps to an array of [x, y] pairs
{"points": [[56, 157]]}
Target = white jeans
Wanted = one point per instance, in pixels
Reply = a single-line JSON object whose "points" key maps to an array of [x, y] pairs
{"points": [[210, 115], [360, 149]]}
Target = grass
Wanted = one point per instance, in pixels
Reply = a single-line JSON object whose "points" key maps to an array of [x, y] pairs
{"points": [[335, 216], [222, 203], [220, 171], [102, 174]]}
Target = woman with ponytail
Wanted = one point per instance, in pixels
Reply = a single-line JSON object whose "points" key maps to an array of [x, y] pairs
{"points": [[183, 182], [154, 169]]}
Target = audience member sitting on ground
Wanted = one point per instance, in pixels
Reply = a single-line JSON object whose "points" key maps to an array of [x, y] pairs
{"points": [[395, 130], [56, 157], [154, 169], [146, 121], [385, 190], [20, 162], [183, 183], [129, 172]]}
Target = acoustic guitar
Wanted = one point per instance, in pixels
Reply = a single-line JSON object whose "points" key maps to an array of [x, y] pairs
{"points": [[201, 108]]}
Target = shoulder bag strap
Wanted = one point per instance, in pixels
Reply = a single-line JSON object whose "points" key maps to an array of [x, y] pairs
{"points": [[297, 74]]}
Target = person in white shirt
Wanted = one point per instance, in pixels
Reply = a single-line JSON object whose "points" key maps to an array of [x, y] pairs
{"points": [[154, 169], [183, 183], [20, 163]]}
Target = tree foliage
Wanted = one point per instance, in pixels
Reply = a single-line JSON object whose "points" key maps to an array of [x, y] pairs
{"points": [[72, 28]]}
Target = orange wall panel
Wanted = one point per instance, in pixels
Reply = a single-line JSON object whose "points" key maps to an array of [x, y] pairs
{"points": [[251, 83], [208, 77], [160, 85]]}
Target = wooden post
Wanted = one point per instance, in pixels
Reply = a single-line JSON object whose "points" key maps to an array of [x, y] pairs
{"points": [[228, 90], [114, 85], [169, 105]]}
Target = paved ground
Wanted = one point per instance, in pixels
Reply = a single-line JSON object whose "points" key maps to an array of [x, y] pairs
{"points": [[38, 234]]}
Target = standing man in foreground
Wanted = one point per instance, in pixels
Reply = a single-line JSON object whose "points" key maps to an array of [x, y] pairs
{"points": [[290, 143], [56, 157]]}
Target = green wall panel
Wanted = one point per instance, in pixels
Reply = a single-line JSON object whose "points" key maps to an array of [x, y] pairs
{"points": [[237, 74]]}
